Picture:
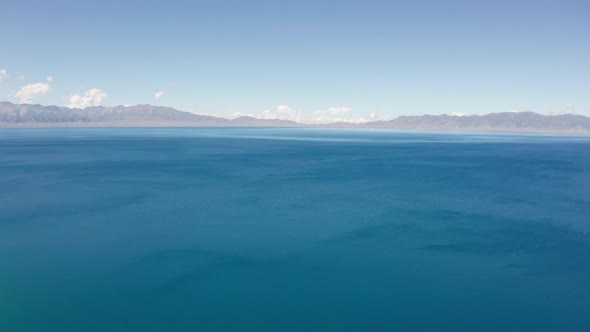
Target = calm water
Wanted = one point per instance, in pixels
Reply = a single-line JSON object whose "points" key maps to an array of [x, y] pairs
{"points": [[292, 230]]}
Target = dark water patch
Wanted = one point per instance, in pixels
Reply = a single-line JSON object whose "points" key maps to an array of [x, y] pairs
{"points": [[68, 208]]}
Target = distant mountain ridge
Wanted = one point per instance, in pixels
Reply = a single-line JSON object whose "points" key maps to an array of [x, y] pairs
{"points": [[19, 115], [28, 115], [39, 114], [506, 121]]}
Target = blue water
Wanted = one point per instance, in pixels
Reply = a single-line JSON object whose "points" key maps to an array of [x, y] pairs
{"points": [[292, 230]]}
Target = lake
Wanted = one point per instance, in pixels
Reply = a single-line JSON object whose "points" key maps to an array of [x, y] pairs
{"points": [[229, 229]]}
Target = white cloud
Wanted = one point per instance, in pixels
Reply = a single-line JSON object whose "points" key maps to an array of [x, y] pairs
{"points": [[50, 79], [330, 115], [92, 97], [235, 115], [370, 117], [3, 74], [457, 114], [282, 112], [340, 114], [27, 93], [159, 94]]}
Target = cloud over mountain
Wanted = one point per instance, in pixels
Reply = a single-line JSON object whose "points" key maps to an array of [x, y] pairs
{"points": [[92, 97], [282, 112], [340, 114]]}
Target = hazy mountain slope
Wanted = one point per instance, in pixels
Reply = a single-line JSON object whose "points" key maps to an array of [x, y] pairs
{"points": [[507, 121], [26, 113]]}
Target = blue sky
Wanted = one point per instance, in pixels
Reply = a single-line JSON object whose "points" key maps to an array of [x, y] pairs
{"points": [[300, 59]]}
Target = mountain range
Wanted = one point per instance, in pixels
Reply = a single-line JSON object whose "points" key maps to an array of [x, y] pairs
{"points": [[28, 115]]}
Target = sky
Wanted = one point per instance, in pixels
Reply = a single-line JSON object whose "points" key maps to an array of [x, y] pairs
{"points": [[311, 61]]}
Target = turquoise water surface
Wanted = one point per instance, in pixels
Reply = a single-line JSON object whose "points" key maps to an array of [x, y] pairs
{"points": [[292, 230]]}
